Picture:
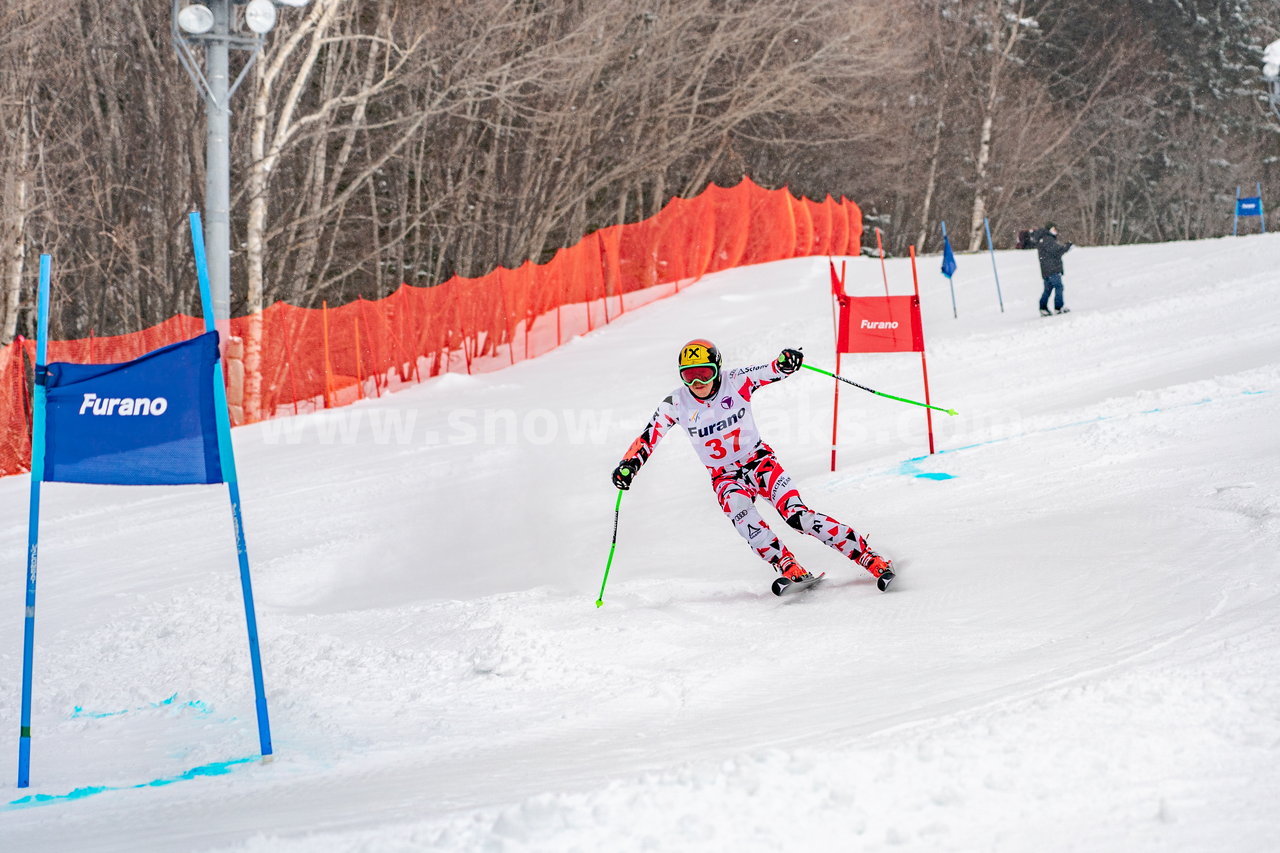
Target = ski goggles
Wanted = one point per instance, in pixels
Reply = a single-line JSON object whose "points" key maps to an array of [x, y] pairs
{"points": [[699, 374]]}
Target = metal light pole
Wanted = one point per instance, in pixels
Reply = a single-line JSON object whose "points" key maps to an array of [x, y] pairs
{"points": [[217, 168], [1271, 75], [211, 24]]}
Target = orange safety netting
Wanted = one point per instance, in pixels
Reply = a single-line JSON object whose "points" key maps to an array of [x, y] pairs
{"points": [[286, 360]]}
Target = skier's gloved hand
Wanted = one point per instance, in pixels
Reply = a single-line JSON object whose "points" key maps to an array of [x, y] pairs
{"points": [[625, 473], [789, 360]]}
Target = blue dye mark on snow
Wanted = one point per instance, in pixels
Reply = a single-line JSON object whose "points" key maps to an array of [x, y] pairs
{"points": [[196, 705], [911, 467], [216, 768], [79, 712]]}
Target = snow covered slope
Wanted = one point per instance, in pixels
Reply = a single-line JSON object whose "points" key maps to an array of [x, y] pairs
{"points": [[1080, 652]]}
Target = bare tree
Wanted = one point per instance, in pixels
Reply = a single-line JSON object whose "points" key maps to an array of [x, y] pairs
{"points": [[395, 141], [23, 27], [339, 109]]}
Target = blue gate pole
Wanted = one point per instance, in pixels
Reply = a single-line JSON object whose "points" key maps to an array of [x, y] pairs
{"points": [[227, 458], [987, 225], [33, 522], [1235, 218], [1262, 211]]}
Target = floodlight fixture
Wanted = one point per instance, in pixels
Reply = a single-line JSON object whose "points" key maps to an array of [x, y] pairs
{"points": [[196, 19], [204, 34], [260, 16], [1271, 60], [1271, 75]]}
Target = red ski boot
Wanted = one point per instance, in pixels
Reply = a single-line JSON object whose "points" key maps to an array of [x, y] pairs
{"points": [[792, 574], [880, 568]]}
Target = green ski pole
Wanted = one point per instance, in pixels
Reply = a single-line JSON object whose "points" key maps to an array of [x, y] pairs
{"points": [[874, 391], [617, 509]]}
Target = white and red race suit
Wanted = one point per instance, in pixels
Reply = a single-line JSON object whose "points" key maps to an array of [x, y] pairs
{"points": [[723, 431]]}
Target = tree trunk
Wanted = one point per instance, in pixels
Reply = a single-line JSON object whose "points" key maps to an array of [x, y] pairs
{"points": [[255, 252], [980, 183], [931, 183], [13, 250]]}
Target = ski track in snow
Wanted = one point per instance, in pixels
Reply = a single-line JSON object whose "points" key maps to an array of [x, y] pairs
{"points": [[1079, 652]]}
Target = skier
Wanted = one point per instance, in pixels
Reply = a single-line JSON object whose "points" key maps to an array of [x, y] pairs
{"points": [[714, 407]]}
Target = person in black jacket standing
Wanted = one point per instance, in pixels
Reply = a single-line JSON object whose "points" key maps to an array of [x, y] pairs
{"points": [[1051, 252]]}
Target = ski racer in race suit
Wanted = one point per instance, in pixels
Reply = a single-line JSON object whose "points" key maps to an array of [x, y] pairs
{"points": [[714, 409]]}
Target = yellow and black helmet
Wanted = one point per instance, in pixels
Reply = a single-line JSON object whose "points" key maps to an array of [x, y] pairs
{"points": [[700, 364]]}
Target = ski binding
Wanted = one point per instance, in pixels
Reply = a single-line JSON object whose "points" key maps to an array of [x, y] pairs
{"points": [[785, 586]]}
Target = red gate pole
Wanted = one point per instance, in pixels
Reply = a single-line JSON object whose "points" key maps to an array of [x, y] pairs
{"points": [[837, 293], [924, 367], [836, 309], [835, 416]]}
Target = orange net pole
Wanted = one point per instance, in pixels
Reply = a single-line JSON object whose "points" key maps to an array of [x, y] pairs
{"points": [[355, 322], [328, 368]]}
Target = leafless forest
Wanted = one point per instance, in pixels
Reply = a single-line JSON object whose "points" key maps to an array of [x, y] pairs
{"points": [[381, 141]]}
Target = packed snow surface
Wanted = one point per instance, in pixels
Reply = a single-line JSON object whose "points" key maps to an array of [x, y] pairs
{"points": [[1080, 652]]}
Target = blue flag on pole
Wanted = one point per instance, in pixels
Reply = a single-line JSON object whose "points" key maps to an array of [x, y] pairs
{"points": [[146, 422], [948, 257], [158, 420], [1249, 206]]}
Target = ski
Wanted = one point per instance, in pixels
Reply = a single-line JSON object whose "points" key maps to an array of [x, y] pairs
{"points": [[783, 586], [886, 578]]}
